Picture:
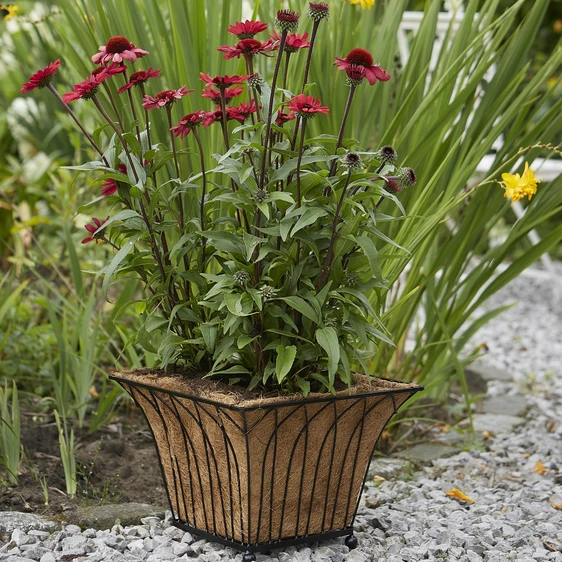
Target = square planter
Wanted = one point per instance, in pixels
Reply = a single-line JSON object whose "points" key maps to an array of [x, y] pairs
{"points": [[257, 474]]}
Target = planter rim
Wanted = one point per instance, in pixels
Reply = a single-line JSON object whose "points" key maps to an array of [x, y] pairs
{"points": [[274, 403]]}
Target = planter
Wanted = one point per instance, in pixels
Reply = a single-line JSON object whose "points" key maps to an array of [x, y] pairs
{"points": [[257, 474]]}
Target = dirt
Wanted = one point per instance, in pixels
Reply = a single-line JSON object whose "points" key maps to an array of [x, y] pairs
{"points": [[115, 465]]}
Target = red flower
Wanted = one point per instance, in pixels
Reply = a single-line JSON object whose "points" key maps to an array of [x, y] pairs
{"points": [[357, 58], [294, 41], [215, 95], [222, 82], [247, 48], [93, 228], [187, 123], [164, 98], [139, 77], [283, 117], [211, 117], [110, 185], [85, 90], [287, 20], [41, 78], [118, 49], [306, 106], [246, 109], [247, 29]]}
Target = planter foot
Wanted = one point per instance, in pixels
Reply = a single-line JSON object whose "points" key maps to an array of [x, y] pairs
{"points": [[351, 542], [248, 557]]}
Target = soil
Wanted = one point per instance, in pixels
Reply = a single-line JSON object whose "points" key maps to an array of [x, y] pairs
{"points": [[117, 464]]}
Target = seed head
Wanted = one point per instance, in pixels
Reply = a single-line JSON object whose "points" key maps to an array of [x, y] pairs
{"points": [[287, 20], [352, 160], [386, 154], [267, 292], [261, 195], [318, 11], [407, 177], [256, 82]]}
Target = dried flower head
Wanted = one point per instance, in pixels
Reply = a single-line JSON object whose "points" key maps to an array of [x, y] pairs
{"points": [[287, 20], [318, 11], [41, 78], [118, 49], [386, 154]]}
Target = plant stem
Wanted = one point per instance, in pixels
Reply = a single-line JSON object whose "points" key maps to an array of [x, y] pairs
{"points": [[224, 120], [327, 265], [146, 119], [298, 170], [176, 163], [270, 108], [342, 127], [315, 26], [114, 106], [286, 72], [86, 134], [118, 133], [203, 192], [133, 110]]}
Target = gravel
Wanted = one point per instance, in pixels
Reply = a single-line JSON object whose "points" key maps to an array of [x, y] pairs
{"points": [[513, 474]]}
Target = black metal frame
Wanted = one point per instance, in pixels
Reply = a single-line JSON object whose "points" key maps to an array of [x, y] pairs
{"points": [[174, 404]]}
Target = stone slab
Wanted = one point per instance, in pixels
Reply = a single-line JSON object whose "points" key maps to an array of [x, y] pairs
{"points": [[427, 452], [494, 423], [12, 520], [105, 516], [508, 404]]}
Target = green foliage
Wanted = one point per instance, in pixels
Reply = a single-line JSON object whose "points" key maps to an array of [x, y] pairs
{"points": [[10, 435], [66, 444]]}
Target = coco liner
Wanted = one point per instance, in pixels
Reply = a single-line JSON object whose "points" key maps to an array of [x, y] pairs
{"points": [[256, 473]]}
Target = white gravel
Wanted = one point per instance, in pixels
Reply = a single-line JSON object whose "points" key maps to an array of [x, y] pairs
{"points": [[409, 517]]}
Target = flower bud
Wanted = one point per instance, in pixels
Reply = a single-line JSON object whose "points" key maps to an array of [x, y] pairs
{"points": [[352, 160], [241, 277], [350, 280], [256, 82], [267, 292], [407, 177], [261, 195], [386, 155]]}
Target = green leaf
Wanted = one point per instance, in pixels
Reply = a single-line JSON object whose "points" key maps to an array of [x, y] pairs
{"points": [[368, 247], [300, 305], [328, 340], [284, 362], [125, 250], [310, 216]]}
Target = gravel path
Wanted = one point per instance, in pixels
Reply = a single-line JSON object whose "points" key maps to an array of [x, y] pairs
{"points": [[514, 476]]}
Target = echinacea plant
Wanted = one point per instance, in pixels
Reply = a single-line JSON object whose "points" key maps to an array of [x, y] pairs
{"points": [[256, 270]]}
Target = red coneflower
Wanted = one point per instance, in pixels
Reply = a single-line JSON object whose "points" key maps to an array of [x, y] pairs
{"points": [[287, 20], [187, 123], [41, 78], [164, 98], [247, 29], [86, 89], [139, 77], [306, 106], [294, 41], [318, 10], [246, 109], [283, 117], [215, 95], [107, 71], [110, 185], [118, 49], [358, 59], [222, 82], [93, 228], [246, 48], [211, 117]]}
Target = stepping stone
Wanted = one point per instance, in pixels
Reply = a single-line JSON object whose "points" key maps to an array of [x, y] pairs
{"points": [[494, 423], [479, 374], [12, 520], [427, 452], [105, 516], [509, 404]]}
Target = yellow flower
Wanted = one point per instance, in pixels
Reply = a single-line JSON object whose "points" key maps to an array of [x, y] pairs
{"points": [[12, 10], [364, 3], [517, 187]]}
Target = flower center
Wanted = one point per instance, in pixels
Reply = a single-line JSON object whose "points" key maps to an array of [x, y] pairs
{"points": [[360, 57], [163, 95], [118, 44], [138, 76]]}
